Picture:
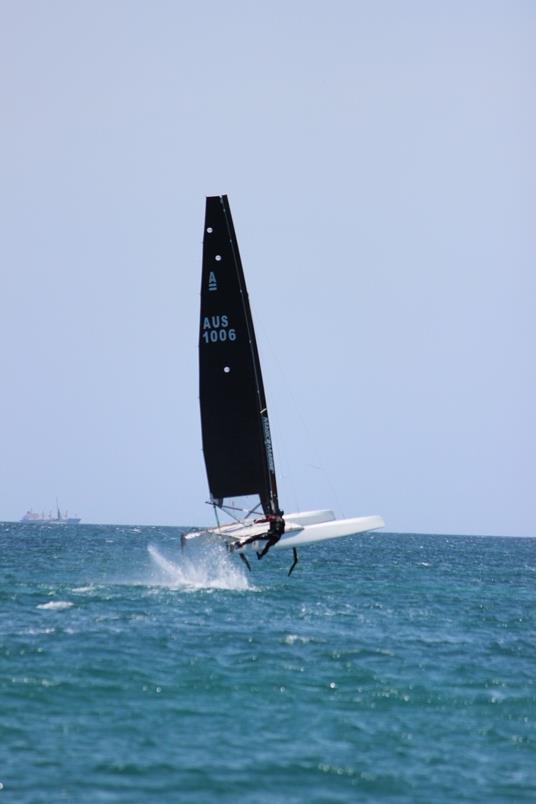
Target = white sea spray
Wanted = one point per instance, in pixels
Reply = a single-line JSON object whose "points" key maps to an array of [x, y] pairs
{"points": [[209, 568]]}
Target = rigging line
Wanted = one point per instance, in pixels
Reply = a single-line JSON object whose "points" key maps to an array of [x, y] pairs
{"points": [[214, 506], [227, 506], [229, 511], [252, 510]]}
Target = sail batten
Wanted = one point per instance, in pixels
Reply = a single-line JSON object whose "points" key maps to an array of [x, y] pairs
{"points": [[234, 418]]}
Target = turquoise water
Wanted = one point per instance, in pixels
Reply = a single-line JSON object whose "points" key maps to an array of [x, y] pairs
{"points": [[389, 667]]}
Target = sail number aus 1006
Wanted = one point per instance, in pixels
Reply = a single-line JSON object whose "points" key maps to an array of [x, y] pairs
{"points": [[219, 335], [216, 329]]}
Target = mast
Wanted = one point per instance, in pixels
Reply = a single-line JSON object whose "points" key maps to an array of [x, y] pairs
{"points": [[237, 443]]}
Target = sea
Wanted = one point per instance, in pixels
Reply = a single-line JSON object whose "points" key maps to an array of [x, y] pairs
{"points": [[387, 667]]}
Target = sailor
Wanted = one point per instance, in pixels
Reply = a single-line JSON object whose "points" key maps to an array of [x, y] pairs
{"points": [[275, 531], [273, 534]]}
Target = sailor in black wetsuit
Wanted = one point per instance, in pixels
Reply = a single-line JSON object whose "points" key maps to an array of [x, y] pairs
{"points": [[275, 531]]}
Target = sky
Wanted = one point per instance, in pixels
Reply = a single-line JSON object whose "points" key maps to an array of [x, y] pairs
{"points": [[379, 161]]}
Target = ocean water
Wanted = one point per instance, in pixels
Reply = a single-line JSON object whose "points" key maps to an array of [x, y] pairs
{"points": [[388, 667]]}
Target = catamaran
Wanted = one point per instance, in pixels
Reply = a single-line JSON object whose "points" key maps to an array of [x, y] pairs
{"points": [[237, 443]]}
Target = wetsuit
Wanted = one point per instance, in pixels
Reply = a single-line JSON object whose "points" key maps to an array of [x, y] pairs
{"points": [[275, 531]]}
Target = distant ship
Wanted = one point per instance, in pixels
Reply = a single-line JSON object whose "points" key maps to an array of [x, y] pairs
{"points": [[50, 519]]}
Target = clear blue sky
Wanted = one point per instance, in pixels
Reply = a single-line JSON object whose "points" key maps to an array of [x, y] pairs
{"points": [[380, 163]]}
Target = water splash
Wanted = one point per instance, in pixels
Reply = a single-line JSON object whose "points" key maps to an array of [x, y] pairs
{"points": [[209, 567]]}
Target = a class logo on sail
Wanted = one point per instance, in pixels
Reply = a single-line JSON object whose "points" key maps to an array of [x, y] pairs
{"points": [[212, 283]]}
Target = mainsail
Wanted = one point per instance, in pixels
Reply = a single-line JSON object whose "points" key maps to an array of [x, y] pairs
{"points": [[236, 431]]}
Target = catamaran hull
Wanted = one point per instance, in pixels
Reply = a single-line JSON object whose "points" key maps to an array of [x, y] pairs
{"points": [[310, 534], [296, 534]]}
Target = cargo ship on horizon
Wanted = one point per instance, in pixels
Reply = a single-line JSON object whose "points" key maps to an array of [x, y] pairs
{"points": [[34, 518]]}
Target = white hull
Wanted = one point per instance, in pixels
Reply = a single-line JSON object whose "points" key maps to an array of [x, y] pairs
{"points": [[323, 531], [324, 527]]}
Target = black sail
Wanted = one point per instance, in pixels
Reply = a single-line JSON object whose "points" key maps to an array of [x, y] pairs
{"points": [[236, 432]]}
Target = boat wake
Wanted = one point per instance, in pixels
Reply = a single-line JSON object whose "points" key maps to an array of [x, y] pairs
{"points": [[210, 567]]}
